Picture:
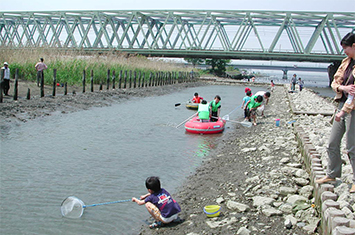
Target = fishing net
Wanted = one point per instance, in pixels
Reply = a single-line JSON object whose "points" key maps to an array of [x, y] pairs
{"points": [[72, 207]]}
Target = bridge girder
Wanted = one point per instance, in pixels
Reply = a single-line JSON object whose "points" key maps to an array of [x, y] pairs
{"points": [[262, 35]]}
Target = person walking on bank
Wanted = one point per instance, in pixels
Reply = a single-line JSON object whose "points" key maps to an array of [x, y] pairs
{"points": [[40, 66], [6, 81], [343, 85]]}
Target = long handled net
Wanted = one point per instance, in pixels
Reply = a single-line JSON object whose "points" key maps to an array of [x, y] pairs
{"points": [[72, 207]]}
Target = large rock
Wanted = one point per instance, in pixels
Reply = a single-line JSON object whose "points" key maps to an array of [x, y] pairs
{"points": [[236, 206], [261, 201]]}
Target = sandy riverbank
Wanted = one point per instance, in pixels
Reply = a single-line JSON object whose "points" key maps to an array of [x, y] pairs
{"points": [[256, 174]]}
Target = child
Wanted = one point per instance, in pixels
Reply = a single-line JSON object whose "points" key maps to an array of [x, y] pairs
{"points": [[215, 108], [203, 111], [272, 86], [300, 84], [245, 101], [348, 106], [254, 102], [159, 203], [197, 99]]}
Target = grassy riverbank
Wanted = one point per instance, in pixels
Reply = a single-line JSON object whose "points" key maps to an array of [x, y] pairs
{"points": [[70, 64]]}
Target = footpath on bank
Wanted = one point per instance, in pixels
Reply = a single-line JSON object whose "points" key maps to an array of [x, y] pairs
{"points": [[263, 177]]}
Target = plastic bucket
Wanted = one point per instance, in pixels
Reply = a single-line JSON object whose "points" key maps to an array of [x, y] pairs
{"points": [[277, 122], [212, 210]]}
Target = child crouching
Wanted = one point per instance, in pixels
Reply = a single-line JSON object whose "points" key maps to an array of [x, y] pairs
{"points": [[159, 203]]}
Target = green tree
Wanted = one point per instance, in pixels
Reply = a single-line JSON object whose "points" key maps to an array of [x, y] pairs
{"points": [[218, 66]]}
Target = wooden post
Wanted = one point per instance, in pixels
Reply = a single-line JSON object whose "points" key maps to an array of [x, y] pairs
{"points": [[65, 88], [16, 85], [42, 84], [54, 81], [92, 80], [135, 79], [28, 93], [139, 79], [150, 79], [125, 79], [120, 80], [1, 79], [100, 86], [130, 78], [113, 79], [108, 80], [144, 82], [84, 80]]}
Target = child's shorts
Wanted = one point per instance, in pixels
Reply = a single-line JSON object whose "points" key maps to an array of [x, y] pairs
{"points": [[168, 220]]}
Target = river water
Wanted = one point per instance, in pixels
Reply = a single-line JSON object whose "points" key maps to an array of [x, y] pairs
{"points": [[101, 155]]}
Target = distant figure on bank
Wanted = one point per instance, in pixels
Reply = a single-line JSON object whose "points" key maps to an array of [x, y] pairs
{"points": [[300, 84], [40, 66], [203, 111], [344, 87], [272, 85], [293, 82], [253, 78], [266, 95], [197, 99], [215, 108], [159, 203], [5, 84], [254, 102]]}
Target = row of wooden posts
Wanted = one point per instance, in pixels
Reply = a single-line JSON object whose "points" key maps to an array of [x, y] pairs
{"points": [[126, 79]]}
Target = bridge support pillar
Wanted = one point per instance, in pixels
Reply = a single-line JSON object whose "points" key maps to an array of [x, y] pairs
{"points": [[332, 68], [284, 76]]}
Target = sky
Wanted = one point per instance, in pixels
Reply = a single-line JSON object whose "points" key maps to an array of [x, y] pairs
{"points": [[276, 5]]}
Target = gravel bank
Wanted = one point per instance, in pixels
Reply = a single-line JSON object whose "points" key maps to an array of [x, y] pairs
{"points": [[256, 174]]}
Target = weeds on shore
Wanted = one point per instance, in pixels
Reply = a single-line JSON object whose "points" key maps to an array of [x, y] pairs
{"points": [[70, 64]]}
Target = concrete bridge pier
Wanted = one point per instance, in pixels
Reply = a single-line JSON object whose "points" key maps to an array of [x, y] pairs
{"points": [[284, 76], [332, 68]]}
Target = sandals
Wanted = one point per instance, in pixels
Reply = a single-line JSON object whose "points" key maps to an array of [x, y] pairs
{"points": [[156, 224]]}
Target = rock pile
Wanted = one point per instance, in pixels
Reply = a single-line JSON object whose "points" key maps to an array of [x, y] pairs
{"points": [[260, 177]]}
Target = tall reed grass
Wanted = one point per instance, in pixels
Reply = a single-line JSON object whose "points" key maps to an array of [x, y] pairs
{"points": [[70, 64]]}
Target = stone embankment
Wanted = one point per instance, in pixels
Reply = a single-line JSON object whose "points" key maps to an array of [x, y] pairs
{"points": [[336, 203], [263, 176]]}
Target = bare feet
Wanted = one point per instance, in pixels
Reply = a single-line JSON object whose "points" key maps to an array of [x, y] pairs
{"points": [[352, 190], [325, 179]]}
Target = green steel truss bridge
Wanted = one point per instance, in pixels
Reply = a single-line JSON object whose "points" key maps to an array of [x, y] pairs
{"points": [[256, 35]]}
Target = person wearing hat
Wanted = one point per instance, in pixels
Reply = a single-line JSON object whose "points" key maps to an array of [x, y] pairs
{"points": [[40, 66], [6, 79]]}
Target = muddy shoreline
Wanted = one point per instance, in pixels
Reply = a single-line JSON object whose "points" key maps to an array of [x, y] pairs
{"points": [[223, 178]]}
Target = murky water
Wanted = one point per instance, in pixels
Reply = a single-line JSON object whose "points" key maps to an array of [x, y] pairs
{"points": [[101, 155]]}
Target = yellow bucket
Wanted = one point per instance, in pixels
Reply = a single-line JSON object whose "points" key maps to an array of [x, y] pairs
{"points": [[212, 210]]}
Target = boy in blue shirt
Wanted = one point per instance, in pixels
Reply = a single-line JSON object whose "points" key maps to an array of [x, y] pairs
{"points": [[245, 101], [159, 203]]}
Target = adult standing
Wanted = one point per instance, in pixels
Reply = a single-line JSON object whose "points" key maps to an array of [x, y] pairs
{"points": [[343, 85], [6, 79], [293, 82], [40, 66]]}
